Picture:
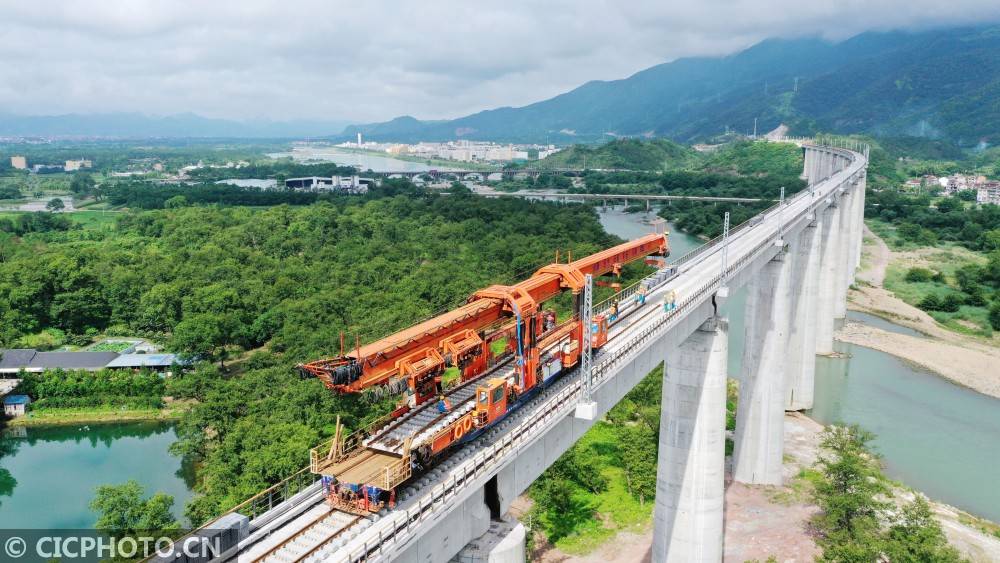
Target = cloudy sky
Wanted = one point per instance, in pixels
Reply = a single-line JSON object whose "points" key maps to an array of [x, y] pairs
{"points": [[367, 60]]}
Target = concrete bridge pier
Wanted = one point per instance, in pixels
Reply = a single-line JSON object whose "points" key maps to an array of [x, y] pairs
{"points": [[757, 456], [862, 189], [807, 158], [503, 542], [828, 276], [801, 363], [843, 256], [690, 485]]}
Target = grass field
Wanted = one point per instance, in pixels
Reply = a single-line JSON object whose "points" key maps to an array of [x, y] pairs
{"points": [[90, 219], [97, 415], [601, 516], [945, 259], [94, 219]]}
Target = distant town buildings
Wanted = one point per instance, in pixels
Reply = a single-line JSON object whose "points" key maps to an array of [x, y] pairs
{"points": [[47, 168], [460, 151], [73, 165], [19, 162], [987, 191], [343, 184]]}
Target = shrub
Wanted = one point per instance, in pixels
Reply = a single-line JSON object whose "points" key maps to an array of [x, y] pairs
{"points": [[930, 302], [995, 316], [918, 275], [952, 303]]}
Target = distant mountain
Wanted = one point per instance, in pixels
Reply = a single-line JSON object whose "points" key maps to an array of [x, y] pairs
{"points": [[941, 83], [133, 125]]}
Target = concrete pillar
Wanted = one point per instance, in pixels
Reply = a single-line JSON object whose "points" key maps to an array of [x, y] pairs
{"points": [[801, 365], [827, 282], [857, 229], [862, 188], [503, 542], [760, 414], [690, 484], [843, 258]]}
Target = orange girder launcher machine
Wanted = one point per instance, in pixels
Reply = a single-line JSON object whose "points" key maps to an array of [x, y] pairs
{"points": [[361, 472]]}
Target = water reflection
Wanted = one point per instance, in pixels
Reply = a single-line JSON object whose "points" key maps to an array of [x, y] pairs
{"points": [[50, 474]]}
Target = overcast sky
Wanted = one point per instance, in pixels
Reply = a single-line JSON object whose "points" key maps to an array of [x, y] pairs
{"points": [[367, 60]]}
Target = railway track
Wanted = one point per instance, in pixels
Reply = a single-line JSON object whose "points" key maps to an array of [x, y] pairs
{"points": [[322, 524]]}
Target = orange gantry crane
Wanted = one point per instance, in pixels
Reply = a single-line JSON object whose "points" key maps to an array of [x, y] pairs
{"points": [[419, 355]]}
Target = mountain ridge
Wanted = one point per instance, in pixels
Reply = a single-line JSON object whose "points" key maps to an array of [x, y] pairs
{"points": [[887, 83]]}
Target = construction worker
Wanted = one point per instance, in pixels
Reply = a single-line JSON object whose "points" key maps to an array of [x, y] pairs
{"points": [[443, 404], [670, 301], [550, 320], [640, 296]]}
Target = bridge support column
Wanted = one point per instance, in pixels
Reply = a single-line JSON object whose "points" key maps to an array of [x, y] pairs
{"points": [[690, 484], [503, 542], [828, 279], [801, 366], [862, 186], [856, 230], [760, 414], [845, 239]]}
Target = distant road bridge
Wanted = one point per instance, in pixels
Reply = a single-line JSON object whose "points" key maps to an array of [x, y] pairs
{"points": [[568, 197], [505, 174], [796, 260]]}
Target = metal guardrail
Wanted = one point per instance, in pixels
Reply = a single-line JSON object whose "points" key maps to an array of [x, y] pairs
{"points": [[565, 399]]}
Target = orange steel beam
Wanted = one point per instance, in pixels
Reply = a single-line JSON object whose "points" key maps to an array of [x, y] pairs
{"points": [[381, 361]]}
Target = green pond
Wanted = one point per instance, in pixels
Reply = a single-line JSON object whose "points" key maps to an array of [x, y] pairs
{"points": [[52, 472]]}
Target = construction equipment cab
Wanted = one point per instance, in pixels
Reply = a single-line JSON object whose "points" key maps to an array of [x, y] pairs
{"points": [[491, 400], [598, 331]]}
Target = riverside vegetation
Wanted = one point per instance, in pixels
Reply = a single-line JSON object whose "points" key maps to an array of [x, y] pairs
{"points": [[958, 282]]}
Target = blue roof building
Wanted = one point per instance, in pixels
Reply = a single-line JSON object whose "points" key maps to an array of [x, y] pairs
{"points": [[15, 405]]}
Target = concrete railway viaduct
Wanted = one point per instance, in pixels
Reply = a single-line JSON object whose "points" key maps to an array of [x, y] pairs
{"points": [[796, 261]]}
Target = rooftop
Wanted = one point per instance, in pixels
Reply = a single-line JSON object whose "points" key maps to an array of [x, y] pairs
{"points": [[16, 400], [145, 360]]}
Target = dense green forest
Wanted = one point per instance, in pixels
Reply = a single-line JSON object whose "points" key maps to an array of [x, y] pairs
{"points": [[628, 154], [264, 289], [120, 155], [283, 168]]}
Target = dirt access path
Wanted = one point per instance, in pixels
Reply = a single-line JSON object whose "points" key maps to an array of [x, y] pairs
{"points": [[962, 359]]}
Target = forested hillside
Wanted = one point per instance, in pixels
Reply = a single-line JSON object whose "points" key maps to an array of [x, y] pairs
{"points": [[932, 83], [628, 154], [282, 282]]}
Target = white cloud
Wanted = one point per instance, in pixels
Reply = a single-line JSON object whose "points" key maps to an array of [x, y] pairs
{"points": [[376, 59]]}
